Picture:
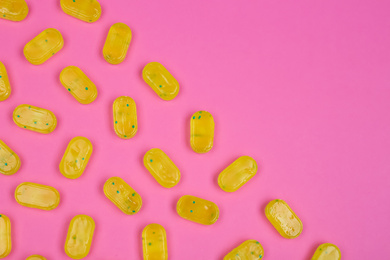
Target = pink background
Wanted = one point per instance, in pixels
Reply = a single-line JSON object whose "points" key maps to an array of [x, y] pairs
{"points": [[302, 86]]}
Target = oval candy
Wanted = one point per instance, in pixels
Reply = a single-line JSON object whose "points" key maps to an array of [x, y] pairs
{"points": [[35, 119], [154, 242], [125, 117], [5, 236], [249, 250], [85, 10], [13, 10], [9, 160], [117, 43], [36, 257], [202, 132], [79, 238], [5, 87], [327, 251], [197, 210], [34, 195]]}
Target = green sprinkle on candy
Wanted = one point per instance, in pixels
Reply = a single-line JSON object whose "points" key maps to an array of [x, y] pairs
{"points": [[193, 117], [45, 40], [191, 211], [160, 86], [116, 122], [133, 126], [199, 117], [86, 88], [252, 253], [24, 126], [68, 89], [3, 15], [127, 105], [150, 244], [47, 123], [74, 237], [0, 216], [151, 160], [117, 191], [113, 183], [193, 202], [260, 256], [76, 161], [6, 164], [133, 211], [18, 116], [0, 77], [133, 194], [82, 158]]}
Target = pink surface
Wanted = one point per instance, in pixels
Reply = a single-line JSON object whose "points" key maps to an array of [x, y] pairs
{"points": [[302, 86]]}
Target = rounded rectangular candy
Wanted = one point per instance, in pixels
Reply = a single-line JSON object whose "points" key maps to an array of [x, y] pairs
{"points": [[117, 43], [13, 10], [79, 239], [36, 257], [5, 87], [5, 236], [78, 84], [35, 119], [249, 250], [86, 10], [283, 219], [202, 132], [43, 46], [237, 174], [9, 160], [162, 168], [34, 195], [122, 195], [327, 251], [76, 157], [125, 117], [160, 80], [197, 210], [154, 242]]}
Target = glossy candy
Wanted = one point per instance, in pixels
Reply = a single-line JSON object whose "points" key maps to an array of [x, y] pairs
{"points": [[76, 157], [5, 236], [154, 242], [14, 10], [327, 251], [197, 210], [160, 80], [35, 119], [125, 117], [5, 87], [249, 250], [162, 168], [283, 219], [237, 174], [122, 195], [78, 84], [36, 257], [9, 160], [34, 195], [79, 238], [202, 132], [117, 43], [86, 10], [43, 46]]}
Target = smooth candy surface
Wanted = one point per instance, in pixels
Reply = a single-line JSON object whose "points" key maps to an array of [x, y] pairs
{"points": [[202, 132], [154, 242], [162, 168], [160, 80], [122, 195], [79, 238], [237, 174], [197, 210], [76, 157], [5, 236], [35, 119], [36, 257], [34, 195], [117, 43], [5, 87], [283, 219], [13, 10], [43, 46], [125, 117], [9, 160], [78, 84], [249, 250], [86, 10], [327, 251]]}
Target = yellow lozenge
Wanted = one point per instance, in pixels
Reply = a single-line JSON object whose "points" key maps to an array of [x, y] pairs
{"points": [[79, 238], [76, 157], [202, 132], [78, 84], [197, 210], [9, 160], [327, 251], [35, 257], [154, 242], [162, 168], [5, 236], [35, 119], [43, 46], [125, 117], [13, 10], [5, 87], [85, 10], [34, 195], [117, 43], [249, 250]]}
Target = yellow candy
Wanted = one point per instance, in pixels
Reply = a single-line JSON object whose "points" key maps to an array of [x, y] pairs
{"points": [[160, 80], [122, 195], [249, 250], [35, 119], [9, 160], [117, 43], [197, 210], [327, 251], [78, 84], [5, 236], [283, 219], [36, 257], [237, 174], [34, 195], [162, 168], [43, 46], [5, 87], [202, 132], [86, 10], [14, 10], [154, 242], [125, 117], [76, 157], [79, 239]]}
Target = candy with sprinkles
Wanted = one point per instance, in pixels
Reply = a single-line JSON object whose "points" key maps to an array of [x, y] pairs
{"points": [[34, 195], [79, 238], [9, 160], [125, 117], [85, 10], [202, 132], [5, 236], [154, 242], [5, 87], [197, 210], [327, 251], [248, 250], [13, 10], [34, 118], [35, 257], [117, 43]]}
